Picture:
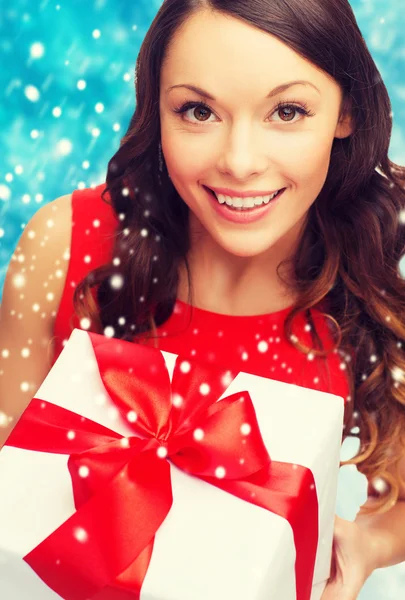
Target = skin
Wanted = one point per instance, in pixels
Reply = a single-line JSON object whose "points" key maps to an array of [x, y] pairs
{"points": [[243, 143]]}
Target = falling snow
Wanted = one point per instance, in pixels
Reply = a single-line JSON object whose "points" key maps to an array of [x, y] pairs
{"points": [[84, 471], [220, 472], [57, 133], [80, 534], [198, 434]]}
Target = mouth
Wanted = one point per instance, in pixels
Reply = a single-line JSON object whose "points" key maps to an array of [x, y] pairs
{"points": [[242, 209]]}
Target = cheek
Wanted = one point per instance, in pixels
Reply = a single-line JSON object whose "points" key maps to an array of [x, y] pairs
{"points": [[185, 157], [308, 165], [182, 165]]}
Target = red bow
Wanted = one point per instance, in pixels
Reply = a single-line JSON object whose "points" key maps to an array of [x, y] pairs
{"points": [[103, 550]]}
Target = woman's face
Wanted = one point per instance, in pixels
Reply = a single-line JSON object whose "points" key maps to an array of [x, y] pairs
{"points": [[242, 141]]}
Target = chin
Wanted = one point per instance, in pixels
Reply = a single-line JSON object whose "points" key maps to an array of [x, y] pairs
{"points": [[244, 249]]}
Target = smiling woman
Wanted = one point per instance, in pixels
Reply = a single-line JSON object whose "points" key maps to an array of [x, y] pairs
{"points": [[247, 105]]}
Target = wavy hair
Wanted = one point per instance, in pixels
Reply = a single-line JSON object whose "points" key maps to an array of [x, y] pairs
{"points": [[349, 250]]}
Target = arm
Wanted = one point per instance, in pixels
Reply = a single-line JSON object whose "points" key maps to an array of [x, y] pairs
{"points": [[35, 279]]}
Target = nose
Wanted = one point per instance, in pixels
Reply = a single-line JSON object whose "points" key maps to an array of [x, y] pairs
{"points": [[243, 156]]}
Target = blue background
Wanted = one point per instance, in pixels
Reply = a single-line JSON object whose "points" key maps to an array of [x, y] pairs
{"points": [[67, 94]]}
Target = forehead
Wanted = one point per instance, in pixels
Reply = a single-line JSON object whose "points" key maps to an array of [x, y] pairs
{"points": [[226, 49]]}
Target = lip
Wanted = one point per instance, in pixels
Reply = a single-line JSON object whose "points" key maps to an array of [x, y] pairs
{"points": [[235, 194], [242, 217]]}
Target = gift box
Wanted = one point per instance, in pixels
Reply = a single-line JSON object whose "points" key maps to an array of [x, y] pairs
{"points": [[136, 473]]}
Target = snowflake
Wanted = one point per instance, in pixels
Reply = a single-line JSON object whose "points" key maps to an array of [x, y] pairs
{"points": [[220, 472], [32, 93], [226, 379], [84, 471], [80, 534], [162, 452], [64, 147], [398, 374], [204, 389], [245, 429], [85, 323], [198, 434], [185, 366], [380, 485], [177, 400], [132, 416], [116, 281]]}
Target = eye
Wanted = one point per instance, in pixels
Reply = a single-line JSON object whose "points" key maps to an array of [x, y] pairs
{"points": [[286, 108], [290, 108], [189, 106]]}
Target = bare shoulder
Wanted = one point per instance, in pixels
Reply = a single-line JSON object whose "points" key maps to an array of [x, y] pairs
{"points": [[35, 275], [32, 292]]}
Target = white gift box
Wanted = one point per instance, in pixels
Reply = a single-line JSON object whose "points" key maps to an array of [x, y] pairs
{"points": [[212, 545]]}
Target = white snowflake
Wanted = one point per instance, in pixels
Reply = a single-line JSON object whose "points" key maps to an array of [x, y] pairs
{"points": [[185, 366], [116, 281], [85, 323], [220, 472], [198, 434], [245, 429], [84, 471], [204, 389], [32, 93], [3, 419], [177, 400], [80, 534], [162, 452], [132, 416]]}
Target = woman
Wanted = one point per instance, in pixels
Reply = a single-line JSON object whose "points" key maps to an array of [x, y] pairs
{"points": [[195, 231]]}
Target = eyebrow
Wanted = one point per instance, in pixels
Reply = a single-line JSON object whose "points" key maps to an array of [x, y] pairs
{"points": [[278, 90]]}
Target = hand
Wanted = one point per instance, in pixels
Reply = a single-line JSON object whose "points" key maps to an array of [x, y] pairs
{"points": [[352, 561]]}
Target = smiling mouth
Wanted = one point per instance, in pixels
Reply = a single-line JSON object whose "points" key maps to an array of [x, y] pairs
{"points": [[242, 208]]}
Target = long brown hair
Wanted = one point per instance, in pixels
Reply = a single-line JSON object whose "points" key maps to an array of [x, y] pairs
{"points": [[349, 251]]}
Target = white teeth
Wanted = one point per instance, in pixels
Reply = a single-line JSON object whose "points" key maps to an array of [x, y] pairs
{"points": [[245, 202]]}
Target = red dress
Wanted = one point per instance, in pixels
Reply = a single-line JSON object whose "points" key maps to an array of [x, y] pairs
{"points": [[254, 344]]}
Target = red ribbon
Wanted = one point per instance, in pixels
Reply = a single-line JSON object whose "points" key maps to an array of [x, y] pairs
{"points": [[103, 550]]}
